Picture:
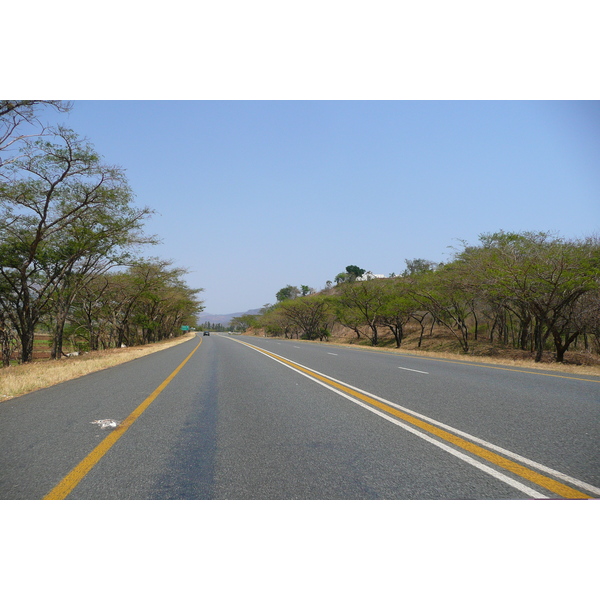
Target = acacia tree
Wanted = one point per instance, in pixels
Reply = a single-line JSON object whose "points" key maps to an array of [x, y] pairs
{"points": [[446, 295], [88, 317], [244, 322], [165, 300], [59, 204], [363, 302], [311, 314], [587, 316], [19, 120], [145, 303], [271, 319], [398, 308], [539, 276]]}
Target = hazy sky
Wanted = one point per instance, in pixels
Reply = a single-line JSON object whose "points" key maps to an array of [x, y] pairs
{"points": [[254, 195]]}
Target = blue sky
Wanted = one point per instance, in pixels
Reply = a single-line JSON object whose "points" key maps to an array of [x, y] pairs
{"points": [[281, 142], [254, 195]]}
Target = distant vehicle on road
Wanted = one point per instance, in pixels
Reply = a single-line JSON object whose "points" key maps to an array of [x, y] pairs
{"points": [[206, 333]]}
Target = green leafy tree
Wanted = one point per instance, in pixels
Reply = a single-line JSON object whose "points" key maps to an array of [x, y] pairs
{"points": [[289, 292], [58, 203], [418, 265], [447, 297], [539, 276], [398, 308], [145, 303], [354, 272], [362, 303], [310, 314], [245, 322]]}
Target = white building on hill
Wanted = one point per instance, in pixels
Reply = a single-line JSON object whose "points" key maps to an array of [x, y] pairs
{"points": [[369, 275]]}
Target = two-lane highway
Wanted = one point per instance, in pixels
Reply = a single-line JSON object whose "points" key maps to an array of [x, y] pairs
{"points": [[231, 417]]}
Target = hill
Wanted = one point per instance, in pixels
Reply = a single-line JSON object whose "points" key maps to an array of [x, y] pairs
{"points": [[224, 319]]}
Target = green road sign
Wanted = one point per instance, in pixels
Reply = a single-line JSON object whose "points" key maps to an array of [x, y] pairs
{"points": [[185, 328]]}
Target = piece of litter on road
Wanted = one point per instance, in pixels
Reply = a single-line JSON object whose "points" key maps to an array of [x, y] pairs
{"points": [[106, 423]]}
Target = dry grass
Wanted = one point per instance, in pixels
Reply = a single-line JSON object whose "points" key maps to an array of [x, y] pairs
{"points": [[22, 379]]}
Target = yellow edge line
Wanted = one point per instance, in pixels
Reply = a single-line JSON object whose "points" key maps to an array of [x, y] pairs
{"points": [[524, 472], [70, 481]]}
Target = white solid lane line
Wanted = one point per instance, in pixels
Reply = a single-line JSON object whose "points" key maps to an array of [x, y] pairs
{"points": [[414, 370]]}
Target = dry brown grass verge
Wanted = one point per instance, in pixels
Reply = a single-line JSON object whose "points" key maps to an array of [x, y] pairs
{"points": [[22, 379]]}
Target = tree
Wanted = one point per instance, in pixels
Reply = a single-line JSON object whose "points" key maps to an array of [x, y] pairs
{"points": [[354, 272], [145, 303], [7, 335], [289, 292], [61, 207], [15, 116], [244, 322], [275, 322], [539, 276], [310, 314], [363, 303], [398, 308], [587, 316], [341, 278], [418, 265], [446, 295]]}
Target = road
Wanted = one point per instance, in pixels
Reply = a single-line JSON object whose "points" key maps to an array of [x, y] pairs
{"points": [[232, 417]]}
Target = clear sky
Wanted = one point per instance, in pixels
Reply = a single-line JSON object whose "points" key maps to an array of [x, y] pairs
{"points": [[281, 142], [254, 195]]}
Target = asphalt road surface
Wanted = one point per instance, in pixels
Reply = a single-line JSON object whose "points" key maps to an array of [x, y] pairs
{"points": [[231, 417]]}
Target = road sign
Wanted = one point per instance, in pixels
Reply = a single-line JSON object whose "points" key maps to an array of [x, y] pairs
{"points": [[185, 328]]}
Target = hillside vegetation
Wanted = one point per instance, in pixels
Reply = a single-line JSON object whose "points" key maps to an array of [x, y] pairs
{"points": [[528, 295]]}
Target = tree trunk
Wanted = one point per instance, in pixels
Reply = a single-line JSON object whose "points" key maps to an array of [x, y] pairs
{"points": [[398, 332], [524, 334], [560, 346], [26, 337], [59, 328], [374, 335]]}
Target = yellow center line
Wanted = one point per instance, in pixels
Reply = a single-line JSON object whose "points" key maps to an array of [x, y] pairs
{"points": [[524, 472], [72, 479]]}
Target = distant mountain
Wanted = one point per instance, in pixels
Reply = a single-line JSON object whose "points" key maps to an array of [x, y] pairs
{"points": [[224, 319]]}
